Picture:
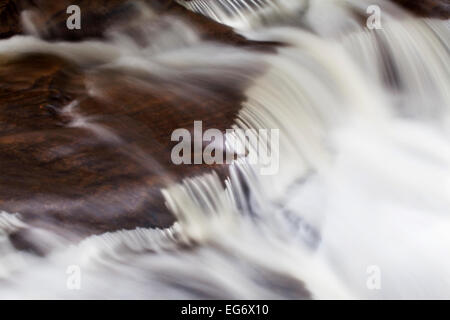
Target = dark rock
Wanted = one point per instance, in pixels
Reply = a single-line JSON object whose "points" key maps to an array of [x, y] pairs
{"points": [[427, 8]]}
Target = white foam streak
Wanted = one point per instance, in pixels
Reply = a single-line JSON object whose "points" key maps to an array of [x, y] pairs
{"points": [[364, 168]]}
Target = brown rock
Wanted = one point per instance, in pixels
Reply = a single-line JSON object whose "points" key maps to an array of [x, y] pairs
{"points": [[427, 8], [71, 179]]}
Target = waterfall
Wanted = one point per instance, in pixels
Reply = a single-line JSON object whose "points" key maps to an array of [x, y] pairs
{"points": [[364, 173]]}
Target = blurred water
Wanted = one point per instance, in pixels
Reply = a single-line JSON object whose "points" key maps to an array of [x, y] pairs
{"points": [[364, 174]]}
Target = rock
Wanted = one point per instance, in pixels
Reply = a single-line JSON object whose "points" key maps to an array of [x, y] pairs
{"points": [[427, 8], [50, 19], [10, 18], [70, 179]]}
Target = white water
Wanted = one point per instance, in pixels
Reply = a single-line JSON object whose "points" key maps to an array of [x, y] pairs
{"points": [[364, 167]]}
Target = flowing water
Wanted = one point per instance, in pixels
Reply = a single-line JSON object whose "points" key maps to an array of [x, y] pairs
{"points": [[364, 173]]}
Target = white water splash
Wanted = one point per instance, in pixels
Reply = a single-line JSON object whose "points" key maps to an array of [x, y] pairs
{"points": [[364, 169]]}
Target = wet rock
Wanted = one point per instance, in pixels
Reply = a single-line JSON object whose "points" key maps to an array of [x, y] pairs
{"points": [[100, 177], [427, 8]]}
